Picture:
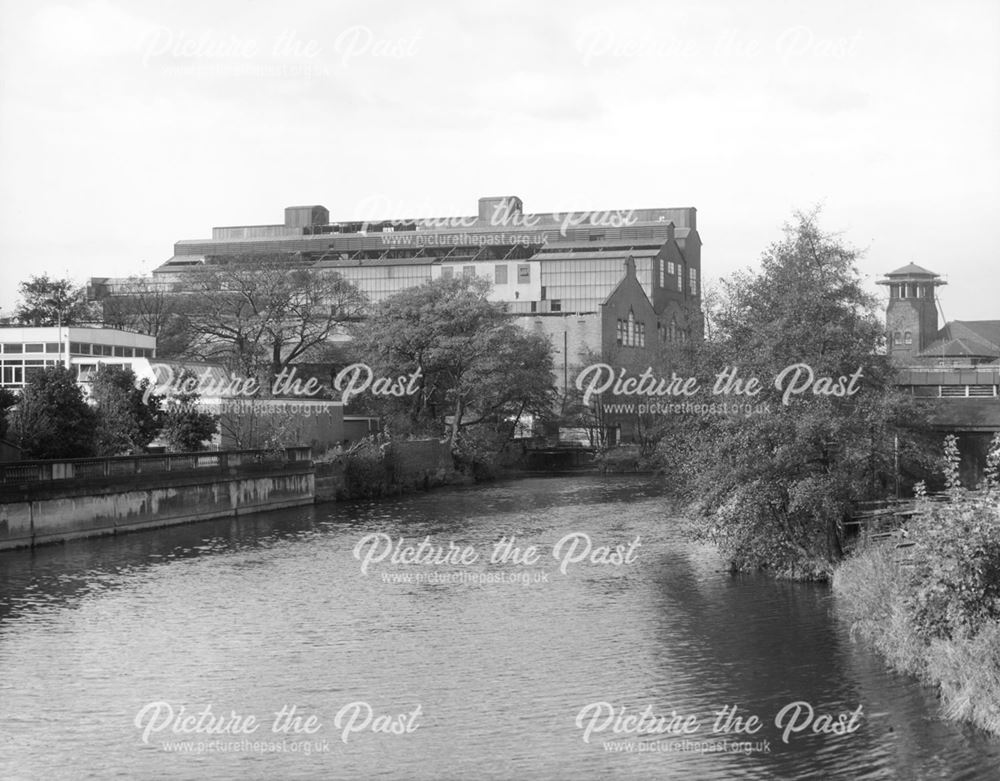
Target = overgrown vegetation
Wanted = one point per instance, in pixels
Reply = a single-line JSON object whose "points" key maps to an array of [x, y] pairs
{"points": [[932, 608], [775, 485]]}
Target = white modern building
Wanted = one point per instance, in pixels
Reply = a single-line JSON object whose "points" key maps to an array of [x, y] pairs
{"points": [[24, 350]]}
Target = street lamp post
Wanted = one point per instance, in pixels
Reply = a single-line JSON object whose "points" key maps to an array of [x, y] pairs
{"points": [[58, 304]]}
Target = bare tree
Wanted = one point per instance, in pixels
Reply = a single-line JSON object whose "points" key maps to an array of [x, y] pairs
{"points": [[260, 315]]}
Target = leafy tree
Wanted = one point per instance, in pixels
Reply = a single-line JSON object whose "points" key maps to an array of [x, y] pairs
{"points": [[259, 316], [52, 419], [128, 415], [46, 302], [777, 485], [185, 427], [475, 365]]}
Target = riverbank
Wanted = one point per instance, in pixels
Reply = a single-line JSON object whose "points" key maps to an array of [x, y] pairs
{"points": [[379, 467], [45, 502], [929, 603]]}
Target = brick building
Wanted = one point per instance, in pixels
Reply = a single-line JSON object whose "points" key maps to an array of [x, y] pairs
{"points": [[561, 274], [955, 368]]}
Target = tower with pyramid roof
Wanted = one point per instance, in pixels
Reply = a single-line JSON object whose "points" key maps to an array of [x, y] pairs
{"points": [[912, 315]]}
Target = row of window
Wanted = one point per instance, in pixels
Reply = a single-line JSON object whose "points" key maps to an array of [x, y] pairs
{"points": [[380, 282], [499, 273], [630, 333], [911, 290], [675, 272], [76, 348], [18, 374], [902, 338]]}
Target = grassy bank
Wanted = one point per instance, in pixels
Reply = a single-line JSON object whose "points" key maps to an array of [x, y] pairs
{"points": [[932, 608]]}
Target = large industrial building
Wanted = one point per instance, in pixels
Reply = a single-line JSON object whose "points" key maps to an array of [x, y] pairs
{"points": [[557, 272]]}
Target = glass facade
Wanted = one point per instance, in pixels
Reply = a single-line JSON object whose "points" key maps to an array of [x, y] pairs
{"points": [[380, 282], [583, 285]]}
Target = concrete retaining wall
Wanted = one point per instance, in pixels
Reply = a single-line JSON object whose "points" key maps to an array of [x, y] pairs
{"points": [[51, 512]]}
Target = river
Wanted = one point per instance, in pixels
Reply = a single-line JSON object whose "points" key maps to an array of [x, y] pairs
{"points": [[180, 653]]}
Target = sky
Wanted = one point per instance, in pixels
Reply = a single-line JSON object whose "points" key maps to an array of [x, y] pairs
{"points": [[126, 126]]}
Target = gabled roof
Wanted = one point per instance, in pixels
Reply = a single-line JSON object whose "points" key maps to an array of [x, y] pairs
{"points": [[629, 279], [960, 338], [911, 268], [985, 330]]}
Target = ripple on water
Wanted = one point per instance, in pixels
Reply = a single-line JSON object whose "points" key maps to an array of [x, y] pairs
{"points": [[272, 609]]}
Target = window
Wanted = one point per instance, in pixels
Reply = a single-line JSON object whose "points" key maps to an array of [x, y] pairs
{"points": [[663, 273], [500, 275], [908, 338], [534, 306], [52, 347], [119, 352], [897, 338], [596, 237], [672, 330], [523, 274], [446, 272], [679, 273], [642, 334], [618, 331], [631, 335], [543, 293], [13, 348], [556, 305], [693, 280], [34, 348], [468, 272]]}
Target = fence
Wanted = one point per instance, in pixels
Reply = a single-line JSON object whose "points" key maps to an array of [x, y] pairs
{"points": [[23, 472]]}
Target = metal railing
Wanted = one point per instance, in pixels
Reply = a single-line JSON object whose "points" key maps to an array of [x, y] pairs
{"points": [[21, 472]]}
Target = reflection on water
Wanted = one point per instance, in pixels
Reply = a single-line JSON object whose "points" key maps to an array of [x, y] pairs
{"points": [[272, 610]]}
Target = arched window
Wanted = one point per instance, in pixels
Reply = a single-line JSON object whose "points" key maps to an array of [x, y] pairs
{"points": [[632, 332], [642, 334], [897, 338], [908, 338], [618, 331]]}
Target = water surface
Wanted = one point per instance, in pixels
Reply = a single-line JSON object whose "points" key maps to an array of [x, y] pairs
{"points": [[269, 611]]}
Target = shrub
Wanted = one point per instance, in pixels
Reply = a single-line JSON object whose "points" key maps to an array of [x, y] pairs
{"points": [[938, 619]]}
